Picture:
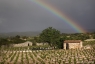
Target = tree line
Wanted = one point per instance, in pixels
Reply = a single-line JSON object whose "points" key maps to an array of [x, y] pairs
{"points": [[54, 38], [49, 35]]}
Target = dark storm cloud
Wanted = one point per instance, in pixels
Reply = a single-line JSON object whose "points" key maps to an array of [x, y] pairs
{"points": [[82, 11], [24, 15]]}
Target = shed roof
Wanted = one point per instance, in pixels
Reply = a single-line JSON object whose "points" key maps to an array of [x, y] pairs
{"points": [[72, 41]]}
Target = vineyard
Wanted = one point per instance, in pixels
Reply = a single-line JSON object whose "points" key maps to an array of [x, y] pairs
{"points": [[26, 56]]}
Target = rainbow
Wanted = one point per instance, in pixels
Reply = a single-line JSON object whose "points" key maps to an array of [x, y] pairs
{"points": [[60, 14]]}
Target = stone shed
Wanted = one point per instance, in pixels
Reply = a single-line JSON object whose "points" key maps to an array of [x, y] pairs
{"points": [[28, 43], [72, 44]]}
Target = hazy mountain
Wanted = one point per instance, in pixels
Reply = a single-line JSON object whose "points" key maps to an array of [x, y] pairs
{"points": [[19, 33], [72, 31], [35, 33]]}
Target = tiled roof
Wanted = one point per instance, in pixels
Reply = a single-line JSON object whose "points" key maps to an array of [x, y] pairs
{"points": [[72, 41]]}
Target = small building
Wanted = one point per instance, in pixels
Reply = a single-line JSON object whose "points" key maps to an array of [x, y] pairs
{"points": [[72, 44], [28, 43]]}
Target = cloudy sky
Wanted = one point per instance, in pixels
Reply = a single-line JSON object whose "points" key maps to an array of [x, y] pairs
{"points": [[24, 15]]}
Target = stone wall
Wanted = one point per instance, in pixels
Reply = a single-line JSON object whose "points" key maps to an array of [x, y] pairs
{"points": [[28, 43], [74, 45]]}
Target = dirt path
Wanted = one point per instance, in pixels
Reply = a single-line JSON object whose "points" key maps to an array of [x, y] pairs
{"points": [[19, 58], [29, 57]]}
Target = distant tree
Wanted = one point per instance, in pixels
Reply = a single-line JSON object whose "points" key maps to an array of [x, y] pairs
{"points": [[94, 36], [24, 37], [37, 39], [50, 35], [33, 43], [17, 40], [4, 41], [17, 36]]}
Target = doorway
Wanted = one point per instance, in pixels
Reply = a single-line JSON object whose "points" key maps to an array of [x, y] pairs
{"points": [[67, 46]]}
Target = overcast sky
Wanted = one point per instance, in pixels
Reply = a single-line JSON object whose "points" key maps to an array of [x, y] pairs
{"points": [[24, 15]]}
